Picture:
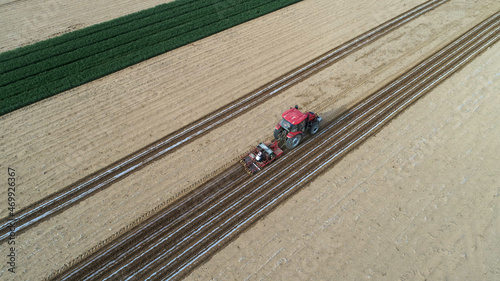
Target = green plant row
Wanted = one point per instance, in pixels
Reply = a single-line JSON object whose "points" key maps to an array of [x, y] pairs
{"points": [[177, 6], [57, 57], [74, 41], [144, 38], [88, 59]]}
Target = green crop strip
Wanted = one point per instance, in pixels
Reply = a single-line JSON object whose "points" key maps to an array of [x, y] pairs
{"points": [[44, 69]]}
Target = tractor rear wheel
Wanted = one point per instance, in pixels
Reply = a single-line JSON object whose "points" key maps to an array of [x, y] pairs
{"points": [[314, 128], [293, 142]]}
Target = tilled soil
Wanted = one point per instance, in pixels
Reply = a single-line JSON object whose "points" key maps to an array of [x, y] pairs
{"points": [[50, 161], [178, 236], [112, 174], [60, 140], [419, 200]]}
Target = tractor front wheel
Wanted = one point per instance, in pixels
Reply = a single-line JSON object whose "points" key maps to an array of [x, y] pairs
{"points": [[293, 142], [314, 128]]}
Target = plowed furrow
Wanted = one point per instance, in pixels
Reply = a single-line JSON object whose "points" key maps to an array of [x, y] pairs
{"points": [[172, 250], [67, 197]]}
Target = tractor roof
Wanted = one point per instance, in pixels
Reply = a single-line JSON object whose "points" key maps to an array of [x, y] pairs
{"points": [[294, 116]]}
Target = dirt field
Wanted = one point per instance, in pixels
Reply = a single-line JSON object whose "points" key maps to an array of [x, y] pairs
{"points": [[60, 140], [419, 201]]}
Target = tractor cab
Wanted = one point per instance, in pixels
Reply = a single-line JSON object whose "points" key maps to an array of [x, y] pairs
{"points": [[293, 120], [294, 124]]}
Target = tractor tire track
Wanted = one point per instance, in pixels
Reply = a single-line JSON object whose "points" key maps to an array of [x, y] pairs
{"points": [[170, 250], [90, 185]]}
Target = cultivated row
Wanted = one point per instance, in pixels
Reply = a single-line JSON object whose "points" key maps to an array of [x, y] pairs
{"points": [[44, 69], [70, 195], [177, 239]]}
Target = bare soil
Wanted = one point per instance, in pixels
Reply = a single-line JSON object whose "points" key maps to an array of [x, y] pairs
{"points": [[57, 141], [418, 201], [62, 139]]}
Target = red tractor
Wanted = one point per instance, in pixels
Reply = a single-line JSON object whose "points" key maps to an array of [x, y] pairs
{"points": [[261, 156], [294, 124]]}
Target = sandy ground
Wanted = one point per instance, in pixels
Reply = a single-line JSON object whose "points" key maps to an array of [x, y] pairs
{"points": [[26, 22], [59, 140], [418, 201]]}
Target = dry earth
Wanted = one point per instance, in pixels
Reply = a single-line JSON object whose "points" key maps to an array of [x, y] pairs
{"points": [[62, 139], [418, 201]]}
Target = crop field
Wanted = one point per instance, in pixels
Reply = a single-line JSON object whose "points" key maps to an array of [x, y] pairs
{"points": [[127, 166], [44, 69]]}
